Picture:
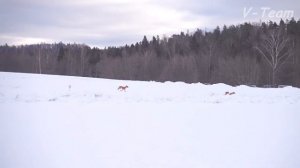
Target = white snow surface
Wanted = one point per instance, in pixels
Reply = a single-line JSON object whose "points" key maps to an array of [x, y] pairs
{"points": [[49, 121]]}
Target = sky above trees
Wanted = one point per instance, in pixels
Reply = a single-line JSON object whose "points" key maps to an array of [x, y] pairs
{"points": [[117, 22]]}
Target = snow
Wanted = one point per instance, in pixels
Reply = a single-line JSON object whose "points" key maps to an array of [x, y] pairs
{"points": [[58, 122]]}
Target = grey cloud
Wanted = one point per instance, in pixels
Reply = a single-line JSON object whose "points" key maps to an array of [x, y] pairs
{"points": [[104, 23], [232, 10]]}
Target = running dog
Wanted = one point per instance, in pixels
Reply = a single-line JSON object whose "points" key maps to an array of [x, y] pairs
{"points": [[229, 93], [122, 88]]}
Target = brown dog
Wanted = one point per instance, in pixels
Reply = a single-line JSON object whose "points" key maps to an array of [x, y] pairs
{"points": [[229, 93], [122, 88]]}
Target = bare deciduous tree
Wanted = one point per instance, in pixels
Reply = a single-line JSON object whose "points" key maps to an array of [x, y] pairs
{"points": [[82, 61], [208, 53], [275, 49], [39, 58]]}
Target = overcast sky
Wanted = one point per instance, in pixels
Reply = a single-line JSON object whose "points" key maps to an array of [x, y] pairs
{"points": [[119, 22]]}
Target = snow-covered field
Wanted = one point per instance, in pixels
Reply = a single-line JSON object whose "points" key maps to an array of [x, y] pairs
{"points": [[49, 121]]}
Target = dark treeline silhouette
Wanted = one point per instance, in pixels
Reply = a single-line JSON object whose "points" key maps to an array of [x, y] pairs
{"points": [[250, 53]]}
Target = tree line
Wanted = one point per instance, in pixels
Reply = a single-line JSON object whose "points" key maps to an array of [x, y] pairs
{"points": [[249, 54]]}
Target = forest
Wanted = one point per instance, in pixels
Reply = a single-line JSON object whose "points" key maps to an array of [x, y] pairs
{"points": [[263, 54]]}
